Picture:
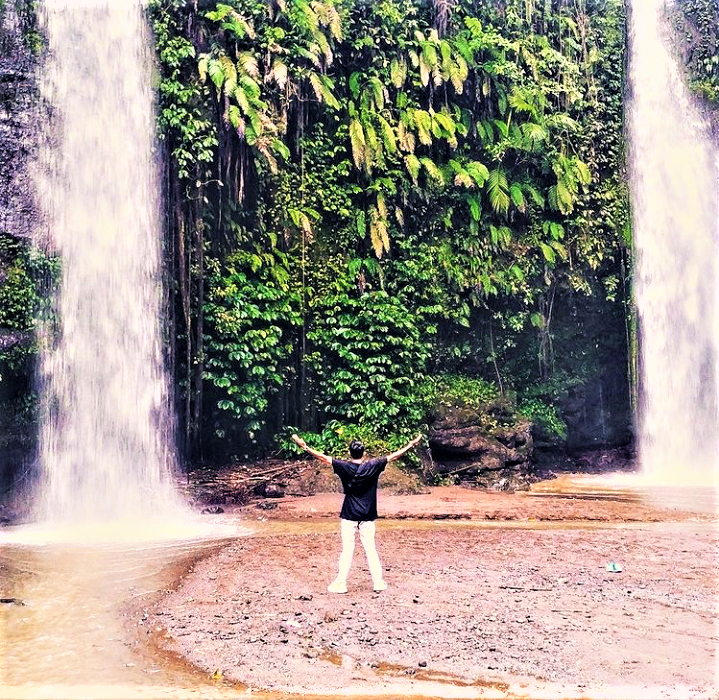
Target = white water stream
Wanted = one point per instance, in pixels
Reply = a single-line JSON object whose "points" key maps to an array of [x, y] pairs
{"points": [[106, 432], [675, 200]]}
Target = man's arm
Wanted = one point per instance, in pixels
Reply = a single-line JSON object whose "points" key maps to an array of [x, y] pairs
{"points": [[307, 448], [404, 449]]}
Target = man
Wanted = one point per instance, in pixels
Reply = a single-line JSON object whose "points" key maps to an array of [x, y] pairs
{"points": [[359, 510]]}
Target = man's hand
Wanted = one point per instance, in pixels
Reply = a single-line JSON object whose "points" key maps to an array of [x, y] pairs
{"points": [[307, 448], [404, 449], [299, 441]]}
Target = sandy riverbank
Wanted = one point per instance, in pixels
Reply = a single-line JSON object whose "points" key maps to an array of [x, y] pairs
{"points": [[500, 603]]}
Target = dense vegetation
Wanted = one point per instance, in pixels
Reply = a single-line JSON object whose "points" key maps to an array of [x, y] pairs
{"points": [[370, 200], [697, 22]]}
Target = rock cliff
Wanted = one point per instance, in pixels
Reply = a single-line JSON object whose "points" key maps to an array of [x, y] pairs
{"points": [[17, 128]]}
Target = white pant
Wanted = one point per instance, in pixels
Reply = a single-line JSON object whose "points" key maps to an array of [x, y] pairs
{"points": [[348, 528]]}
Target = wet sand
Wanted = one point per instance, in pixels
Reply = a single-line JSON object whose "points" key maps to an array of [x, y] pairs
{"points": [[490, 595]]}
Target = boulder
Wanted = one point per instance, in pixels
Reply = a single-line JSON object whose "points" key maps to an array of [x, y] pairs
{"points": [[487, 446], [273, 491]]}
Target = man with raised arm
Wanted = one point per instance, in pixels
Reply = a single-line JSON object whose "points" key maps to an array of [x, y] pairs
{"points": [[359, 511]]}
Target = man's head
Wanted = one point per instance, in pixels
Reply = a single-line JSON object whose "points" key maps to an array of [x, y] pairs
{"points": [[356, 449]]}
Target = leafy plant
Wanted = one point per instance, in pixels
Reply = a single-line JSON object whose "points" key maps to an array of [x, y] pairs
{"points": [[545, 416]]}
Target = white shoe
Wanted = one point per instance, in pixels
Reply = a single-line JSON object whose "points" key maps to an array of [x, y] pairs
{"points": [[337, 587], [380, 586]]}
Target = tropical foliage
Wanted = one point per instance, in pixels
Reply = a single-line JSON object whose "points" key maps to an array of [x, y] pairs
{"points": [[697, 22], [365, 194]]}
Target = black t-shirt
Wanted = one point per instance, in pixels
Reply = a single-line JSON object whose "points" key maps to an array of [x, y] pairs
{"points": [[360, 486]]}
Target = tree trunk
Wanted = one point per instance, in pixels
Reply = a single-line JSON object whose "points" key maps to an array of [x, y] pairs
{"points": [[199, 364]]}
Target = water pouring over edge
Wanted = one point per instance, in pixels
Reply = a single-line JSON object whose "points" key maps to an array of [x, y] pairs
{"points": [[106, 441], [674, 173]]}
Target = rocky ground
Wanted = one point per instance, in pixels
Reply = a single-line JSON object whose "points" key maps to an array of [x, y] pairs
{"points": [[503, 600]]}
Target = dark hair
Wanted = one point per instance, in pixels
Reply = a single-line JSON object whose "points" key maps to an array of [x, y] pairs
{"points": [[356, 449]]}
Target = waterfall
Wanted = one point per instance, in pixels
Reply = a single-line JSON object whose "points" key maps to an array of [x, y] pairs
{"points": [[106, 429], [675, 202]]}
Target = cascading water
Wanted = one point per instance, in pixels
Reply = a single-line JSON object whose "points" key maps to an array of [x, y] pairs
{"points": [[675, 201], [106, 432]]}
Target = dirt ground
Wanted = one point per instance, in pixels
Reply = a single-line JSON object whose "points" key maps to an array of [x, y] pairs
{"points": [[487, 592]]}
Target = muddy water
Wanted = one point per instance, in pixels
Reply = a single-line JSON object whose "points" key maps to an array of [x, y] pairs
{"points": [[632, 487], [69, 638]]}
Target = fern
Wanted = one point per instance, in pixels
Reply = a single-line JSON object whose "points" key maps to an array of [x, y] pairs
{"points": [[398, 72], [234, 117], [423, 121], [446, 122], [324, 48], [498, 191], [548, 252], [377, 92], [248, 64], [478, 172], [429, 52], [560, 249], [278, 73], [215, 73], [357, 141], [279, 147], [252, 90], [381, 205], [424, 70], [535, 195], [240, 27], [475, 208], [562, 122], [308, 19], [463, 179], [317, 86], [334, 23], [373, 150], [413, 165], [405, 137], [202, 67], [379, 235], [327, 92], [534, 135], [583, 173], [388, 137], [520, 101], [432, 170], [501, 127]]}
